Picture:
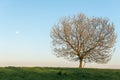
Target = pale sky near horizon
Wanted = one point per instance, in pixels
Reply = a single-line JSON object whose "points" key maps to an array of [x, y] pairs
{"points": [[25, 29]]}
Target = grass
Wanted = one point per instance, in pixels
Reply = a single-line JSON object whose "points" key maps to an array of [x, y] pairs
{"points": [[41, 73]]}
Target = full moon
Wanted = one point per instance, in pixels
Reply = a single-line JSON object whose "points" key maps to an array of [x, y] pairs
{"points": [[17, 32]]}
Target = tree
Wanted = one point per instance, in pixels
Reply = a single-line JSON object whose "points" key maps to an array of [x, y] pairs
{"points": [[84, 39]]}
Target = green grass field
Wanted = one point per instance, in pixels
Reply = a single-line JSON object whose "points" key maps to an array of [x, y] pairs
{"points": [[39, 73]]}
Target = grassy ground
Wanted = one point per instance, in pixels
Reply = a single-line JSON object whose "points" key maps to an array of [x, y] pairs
{"points": [[36, 73]]}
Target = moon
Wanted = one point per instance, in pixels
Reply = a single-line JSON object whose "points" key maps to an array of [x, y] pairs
{"points": [[17, 32]]}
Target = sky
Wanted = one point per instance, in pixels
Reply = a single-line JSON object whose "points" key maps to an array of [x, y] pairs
{"points": [[25, 27]]}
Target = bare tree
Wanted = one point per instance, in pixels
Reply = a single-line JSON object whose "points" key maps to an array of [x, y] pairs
{"points": [[84, 39]]}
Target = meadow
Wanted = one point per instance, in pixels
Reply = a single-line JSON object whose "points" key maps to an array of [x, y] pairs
{"points": [[47, 73]]}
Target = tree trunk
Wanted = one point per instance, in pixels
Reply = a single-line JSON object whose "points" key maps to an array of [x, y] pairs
{"points": [[80, 64]]}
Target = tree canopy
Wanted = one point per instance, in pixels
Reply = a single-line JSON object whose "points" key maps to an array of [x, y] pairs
{"points": [[84, 39]]}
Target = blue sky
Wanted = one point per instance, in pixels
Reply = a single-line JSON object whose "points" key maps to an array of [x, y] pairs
{"points": [[25, 28]]}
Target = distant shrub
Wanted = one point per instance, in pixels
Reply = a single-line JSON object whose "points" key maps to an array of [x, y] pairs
{"points": [[59, 73]]}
